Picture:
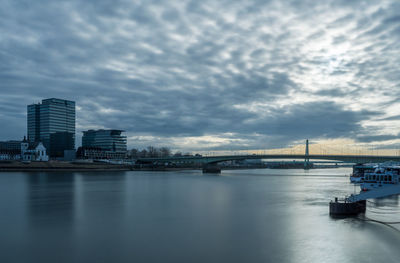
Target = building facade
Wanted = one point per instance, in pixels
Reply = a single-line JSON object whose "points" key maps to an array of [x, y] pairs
{"points": [[53, 123], [23, 150], [108, 144], [10, 150], [97, 154], [33, 152], [10, 145], [107, 140]]}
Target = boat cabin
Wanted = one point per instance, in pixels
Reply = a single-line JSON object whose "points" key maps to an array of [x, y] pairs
{"points": [[381, 176]]}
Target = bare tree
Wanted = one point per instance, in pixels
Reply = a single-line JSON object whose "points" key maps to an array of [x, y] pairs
{"points": [[133, 153], [143, 153], [165, 152], [153, 152]]}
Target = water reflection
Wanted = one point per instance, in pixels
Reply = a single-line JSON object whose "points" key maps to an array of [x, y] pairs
{"points": [[100, 196], [50, 216], [50, 198]]}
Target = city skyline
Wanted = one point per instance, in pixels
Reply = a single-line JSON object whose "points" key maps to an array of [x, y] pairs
{"points": [[260, 75]]}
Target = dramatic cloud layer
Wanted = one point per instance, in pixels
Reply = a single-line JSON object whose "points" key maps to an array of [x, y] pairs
{"points": [[207, 74]]}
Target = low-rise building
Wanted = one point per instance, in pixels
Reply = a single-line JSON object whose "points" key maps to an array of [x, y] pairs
{"points": [[33, 152], [10, 150], [10, 145], [103, 144], [99, 154], [8, 155], [23, 150]]}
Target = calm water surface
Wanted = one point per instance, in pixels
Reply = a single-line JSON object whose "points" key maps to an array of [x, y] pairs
{"points": [[239, 216]]}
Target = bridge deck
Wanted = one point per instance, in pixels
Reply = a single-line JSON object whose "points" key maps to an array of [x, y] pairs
{"points": [[223, 158]]}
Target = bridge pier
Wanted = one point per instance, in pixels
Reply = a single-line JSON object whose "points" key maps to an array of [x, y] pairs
{"points": [[211, 168], [308, 165], [307, 159]]}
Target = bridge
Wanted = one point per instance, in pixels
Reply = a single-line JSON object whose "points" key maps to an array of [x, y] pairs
{"points": [[210, 162], [223, 158]]}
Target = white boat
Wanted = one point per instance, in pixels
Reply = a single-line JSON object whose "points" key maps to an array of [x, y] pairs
{"points": [[381, 181], [356, 179], [359, 170], [382, 176]]}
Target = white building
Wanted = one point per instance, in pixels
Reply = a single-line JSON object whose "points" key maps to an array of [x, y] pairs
{"points": [[33, 152]]}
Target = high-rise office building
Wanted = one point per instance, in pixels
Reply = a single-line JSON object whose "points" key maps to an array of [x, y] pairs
{"points": [[53, 123], [106, 140]]}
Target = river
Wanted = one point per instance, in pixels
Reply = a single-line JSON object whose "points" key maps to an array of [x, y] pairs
{"points": [[239, 216]]}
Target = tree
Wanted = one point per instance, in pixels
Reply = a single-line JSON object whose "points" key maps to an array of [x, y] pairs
{"points": [[165, 152], [143, 153], [152, 152], [133, 153]]}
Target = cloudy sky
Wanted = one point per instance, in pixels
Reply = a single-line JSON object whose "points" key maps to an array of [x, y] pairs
{"points": [[207, 75]]}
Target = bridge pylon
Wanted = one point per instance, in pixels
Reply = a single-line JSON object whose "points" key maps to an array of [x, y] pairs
{"points": [[307, 164]]}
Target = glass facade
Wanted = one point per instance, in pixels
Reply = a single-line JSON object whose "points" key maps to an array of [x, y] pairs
{"points": [[106, 140], [10, 145], [34, 123], [53, 123]]}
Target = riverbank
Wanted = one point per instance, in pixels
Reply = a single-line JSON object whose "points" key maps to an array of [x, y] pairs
{"points": [[60, 166], [16, 166]]}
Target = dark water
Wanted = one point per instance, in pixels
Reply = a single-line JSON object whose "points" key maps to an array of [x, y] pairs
{"points": [[240, 216]]}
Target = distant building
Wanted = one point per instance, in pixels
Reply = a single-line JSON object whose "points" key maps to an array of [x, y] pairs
{"points": [[107, 140], [97, 154], [52, 122], [103, 144], [10, 150], [10, 155], [10, 145], [33, 152], [23, 150]]}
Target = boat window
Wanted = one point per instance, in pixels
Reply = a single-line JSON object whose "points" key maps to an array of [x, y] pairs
{"points": [[385, 177], [373, 177], [390, 178]]}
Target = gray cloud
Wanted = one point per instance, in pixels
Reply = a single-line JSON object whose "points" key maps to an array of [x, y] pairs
{"points": [[374, 138], [257, 73]]}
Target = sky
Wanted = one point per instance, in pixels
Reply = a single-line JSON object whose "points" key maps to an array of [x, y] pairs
{"points": [[208, 75]]}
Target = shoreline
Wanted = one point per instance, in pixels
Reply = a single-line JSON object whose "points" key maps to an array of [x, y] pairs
{"points": [[58, 166], [89, 170]]}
